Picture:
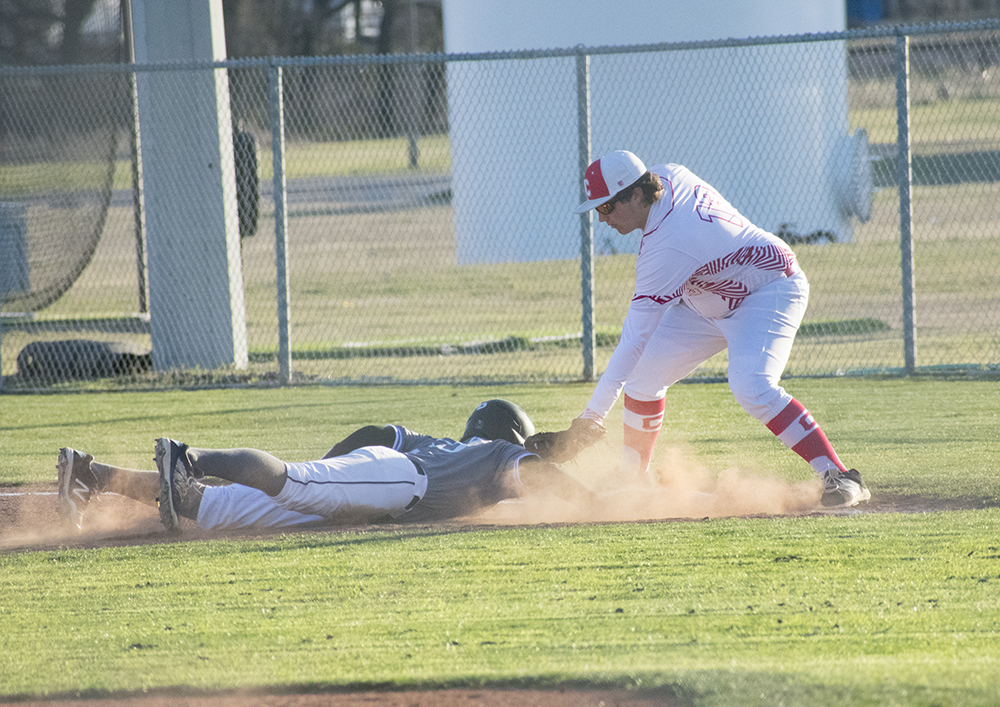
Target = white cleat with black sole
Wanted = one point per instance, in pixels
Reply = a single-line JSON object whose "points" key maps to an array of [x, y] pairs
{"points": [[843, 489]]}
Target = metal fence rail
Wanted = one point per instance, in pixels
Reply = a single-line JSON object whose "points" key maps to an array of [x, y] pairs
{"points": [[409, 218]]}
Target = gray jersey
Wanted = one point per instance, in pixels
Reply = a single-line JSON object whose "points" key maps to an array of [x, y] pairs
{"points": [[462, 477]]}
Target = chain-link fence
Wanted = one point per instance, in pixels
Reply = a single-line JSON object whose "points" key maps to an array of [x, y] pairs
{"points": [[420, 227]]}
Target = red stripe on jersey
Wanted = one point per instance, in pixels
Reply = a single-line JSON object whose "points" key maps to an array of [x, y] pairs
{"points": [[768, 257], [658, 300]]}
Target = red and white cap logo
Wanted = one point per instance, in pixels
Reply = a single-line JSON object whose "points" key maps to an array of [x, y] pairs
{"points": [[609, 175], [593, 181]]}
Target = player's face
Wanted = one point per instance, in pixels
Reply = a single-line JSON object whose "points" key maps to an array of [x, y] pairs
{"points": [[626, 216]]}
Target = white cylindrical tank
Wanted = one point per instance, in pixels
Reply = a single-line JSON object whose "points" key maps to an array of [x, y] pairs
{"points": [[766, 125]]}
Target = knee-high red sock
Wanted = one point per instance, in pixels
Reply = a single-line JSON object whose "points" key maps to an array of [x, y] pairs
{"points": [[643, 419], [802, 434]]}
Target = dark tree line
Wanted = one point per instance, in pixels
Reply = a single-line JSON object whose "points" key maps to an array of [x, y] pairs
{"points": [[50, 32], [40, 32], [296, 28]]}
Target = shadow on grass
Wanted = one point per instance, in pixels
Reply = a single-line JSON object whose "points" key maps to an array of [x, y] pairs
{"points": [[519, 692]]}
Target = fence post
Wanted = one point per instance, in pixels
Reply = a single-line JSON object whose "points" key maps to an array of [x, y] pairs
{"points": [[280, 223], [904, 174], [138, 212], [412, 73], [588, 337]]}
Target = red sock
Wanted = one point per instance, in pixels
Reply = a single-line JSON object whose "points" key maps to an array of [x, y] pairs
{"points": [[800, 432], [643, 419]]}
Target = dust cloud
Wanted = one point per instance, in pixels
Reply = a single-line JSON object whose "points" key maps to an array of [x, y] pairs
{"points": [[678, 489], [29, 518]]}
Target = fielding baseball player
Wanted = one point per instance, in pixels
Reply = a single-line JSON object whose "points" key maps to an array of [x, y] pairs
{"points": [[706, 279], [375, 473]]}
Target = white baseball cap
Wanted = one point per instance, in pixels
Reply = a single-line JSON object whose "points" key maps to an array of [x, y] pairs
{"points": [[608, 176]]}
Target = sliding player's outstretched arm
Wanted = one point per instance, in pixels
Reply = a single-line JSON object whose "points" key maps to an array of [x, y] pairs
{"points": [[539, 475]]}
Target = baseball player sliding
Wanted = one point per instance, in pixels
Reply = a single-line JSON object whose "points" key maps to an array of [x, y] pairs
{"points": [[706, 279], [375, 473]]}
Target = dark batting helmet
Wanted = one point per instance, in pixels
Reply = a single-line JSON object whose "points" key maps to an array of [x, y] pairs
{"points": [[499, 419]]}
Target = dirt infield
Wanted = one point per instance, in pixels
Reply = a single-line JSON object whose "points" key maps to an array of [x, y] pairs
{"points": [[29, 522]]}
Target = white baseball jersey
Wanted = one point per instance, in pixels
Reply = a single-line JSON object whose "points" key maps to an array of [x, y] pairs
{"points": [[696, 249]]}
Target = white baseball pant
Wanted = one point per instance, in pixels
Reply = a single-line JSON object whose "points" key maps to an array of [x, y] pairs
{"points": [[370, 481], [759, 336]]}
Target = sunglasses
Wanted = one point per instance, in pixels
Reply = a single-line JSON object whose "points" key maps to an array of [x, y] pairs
{"points": [[607, 207]]}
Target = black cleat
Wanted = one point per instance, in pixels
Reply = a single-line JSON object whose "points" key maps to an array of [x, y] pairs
{"points": [[77, 485], [177, 481]]}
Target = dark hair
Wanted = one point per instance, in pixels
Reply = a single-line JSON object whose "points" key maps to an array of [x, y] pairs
{"points": [[652, 189]]}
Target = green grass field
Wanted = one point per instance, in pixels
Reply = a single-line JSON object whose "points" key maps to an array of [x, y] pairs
{"points": [[883, 608]]}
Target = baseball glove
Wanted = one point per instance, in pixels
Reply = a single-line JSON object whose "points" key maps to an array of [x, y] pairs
{"points": [[563, 446]]}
